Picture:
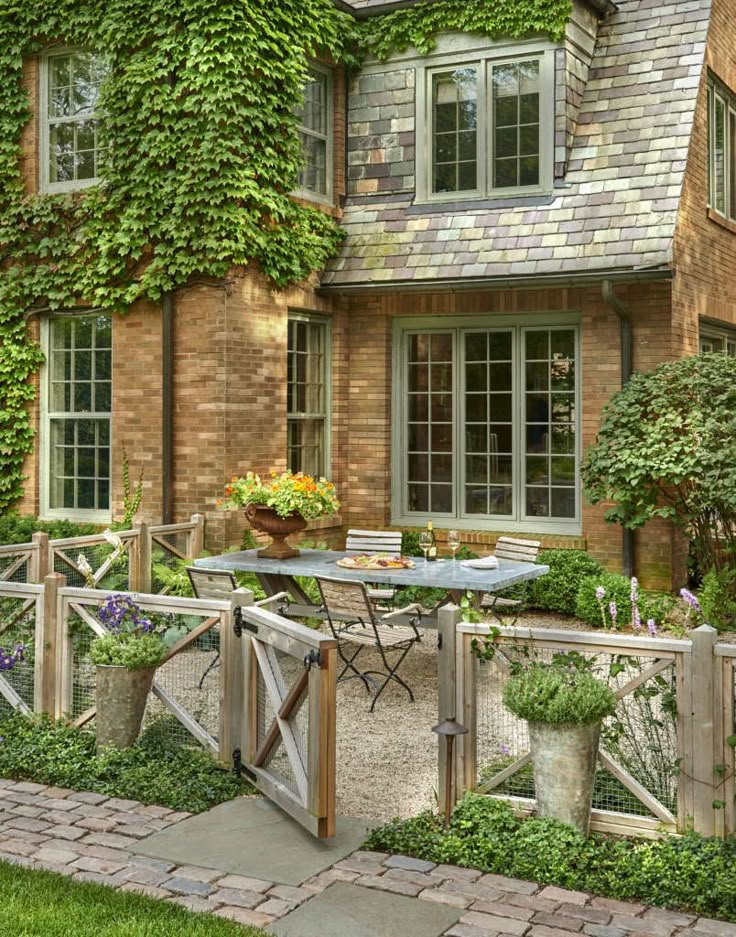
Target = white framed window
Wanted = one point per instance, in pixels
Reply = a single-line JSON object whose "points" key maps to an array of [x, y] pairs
{"points": [[715, 339], [316, 134], [721, 150], [69, 119], [76, 410], [308, 395], [487, 125], [486, 423]]}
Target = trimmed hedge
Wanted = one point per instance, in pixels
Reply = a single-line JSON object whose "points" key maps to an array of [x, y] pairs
{"points": [[558, 590]]}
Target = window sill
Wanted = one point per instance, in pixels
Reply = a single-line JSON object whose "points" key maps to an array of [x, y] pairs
{"points": [[721, 220]]}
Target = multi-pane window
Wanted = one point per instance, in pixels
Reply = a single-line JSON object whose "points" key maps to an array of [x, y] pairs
{"points": [[488, 424], [307, 396], [315, 132], [455, 138], [516, 125], [71, 149], [78, 396], [718, 340], [489, 125], [722, 151]]}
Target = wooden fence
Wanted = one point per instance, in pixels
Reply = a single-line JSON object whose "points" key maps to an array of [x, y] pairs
{"points": [[129, 557], [667, 756]]}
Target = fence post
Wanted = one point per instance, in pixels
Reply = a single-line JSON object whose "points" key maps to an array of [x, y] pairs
{"points": [[143, 560], [447, 619], [40, 564], [233, 695], [45, 668], [196, 542], [704, 696]]}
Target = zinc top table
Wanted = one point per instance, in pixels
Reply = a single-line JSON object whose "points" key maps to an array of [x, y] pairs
{"points": [[278, 575]]}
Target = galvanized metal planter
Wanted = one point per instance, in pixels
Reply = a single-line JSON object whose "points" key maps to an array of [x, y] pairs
{"points": [[121, 701], [564, 761]]}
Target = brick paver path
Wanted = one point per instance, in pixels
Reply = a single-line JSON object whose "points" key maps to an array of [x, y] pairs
{"points": [[87, 837]]}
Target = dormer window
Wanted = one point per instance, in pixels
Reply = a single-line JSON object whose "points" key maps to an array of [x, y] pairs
{"points": [[488, 127], [70, 149], [315, 131]]}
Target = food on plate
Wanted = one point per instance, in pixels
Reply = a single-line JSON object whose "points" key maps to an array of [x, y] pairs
{"points": [[376, 561]]}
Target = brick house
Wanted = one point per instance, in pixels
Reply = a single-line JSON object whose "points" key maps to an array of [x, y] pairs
{"points": [[525, 222]]}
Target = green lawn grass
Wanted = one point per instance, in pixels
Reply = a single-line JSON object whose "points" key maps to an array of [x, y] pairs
{"points": [[44, 904]]}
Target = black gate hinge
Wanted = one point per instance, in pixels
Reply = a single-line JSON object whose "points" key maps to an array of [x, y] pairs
{"points": [[239, 768], [312, 659], [239, 623]]}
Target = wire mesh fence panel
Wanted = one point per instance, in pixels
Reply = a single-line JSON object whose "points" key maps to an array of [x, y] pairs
{"points": [[17, 653], [107, 563], [286, 670], [84, 673], [15, 564], [191, 682], [640, 739]]}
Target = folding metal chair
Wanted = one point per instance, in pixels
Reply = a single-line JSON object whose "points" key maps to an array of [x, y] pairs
{"points": [[515, 551], [219, 584], [376, 541], [355, 626]]}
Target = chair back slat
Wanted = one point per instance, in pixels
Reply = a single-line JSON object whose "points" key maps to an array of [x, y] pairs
{"points": [[519, 551], [345, 597], [216, 584], [373, 541]]}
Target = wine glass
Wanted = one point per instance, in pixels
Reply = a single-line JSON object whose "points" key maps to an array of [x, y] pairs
{"points": [[453, 541], [425, 542]]}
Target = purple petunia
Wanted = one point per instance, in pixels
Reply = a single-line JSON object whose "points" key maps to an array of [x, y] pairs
{"points": [[8, 658], [119, 613]]}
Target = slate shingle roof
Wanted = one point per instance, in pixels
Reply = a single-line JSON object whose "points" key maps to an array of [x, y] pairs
{"points": [[624, 177]]}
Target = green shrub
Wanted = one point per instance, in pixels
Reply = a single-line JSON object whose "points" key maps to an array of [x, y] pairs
{"points": [[617, 589], [559, 693], [558, 590], [155, 770], [132, 651], [692, 873], [717, 597], [17, 528]]}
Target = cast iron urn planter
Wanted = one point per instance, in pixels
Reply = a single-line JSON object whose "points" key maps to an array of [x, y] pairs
{"points": [[269, 522]]}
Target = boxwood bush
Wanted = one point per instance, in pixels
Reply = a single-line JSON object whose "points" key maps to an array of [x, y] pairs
{"points": [[558, 590], [617, 589], [689, 873]]}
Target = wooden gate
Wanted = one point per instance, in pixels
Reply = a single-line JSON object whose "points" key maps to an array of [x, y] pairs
{"points": [[288, 725]]}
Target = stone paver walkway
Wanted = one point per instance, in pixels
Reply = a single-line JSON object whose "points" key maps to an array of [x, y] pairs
{"points": [[88, 836]]}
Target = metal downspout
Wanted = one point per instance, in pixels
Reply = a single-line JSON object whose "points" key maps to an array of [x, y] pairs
{"points": [[167, 408], [627, 363]]}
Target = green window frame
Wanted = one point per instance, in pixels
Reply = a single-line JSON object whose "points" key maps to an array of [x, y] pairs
{"points": [[486, 423], [486, 122], [308, 394], [76, 426], [721, 150], [70, 148], [316, 134]]}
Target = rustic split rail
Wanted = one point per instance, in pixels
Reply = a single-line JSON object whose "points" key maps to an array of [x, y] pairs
{"points": [[667, 756]]}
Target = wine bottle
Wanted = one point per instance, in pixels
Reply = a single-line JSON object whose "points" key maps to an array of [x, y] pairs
{"points": [[432, 552]]}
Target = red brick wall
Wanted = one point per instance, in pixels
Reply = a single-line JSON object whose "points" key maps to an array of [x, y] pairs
{"points": [[30, 138], [704, 247]]}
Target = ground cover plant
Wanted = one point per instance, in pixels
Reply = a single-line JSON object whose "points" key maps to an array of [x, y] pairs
{"points": [[39, 903], [155, 770], [689, 873]]}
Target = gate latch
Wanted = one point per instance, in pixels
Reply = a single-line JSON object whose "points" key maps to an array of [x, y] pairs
{"points": [[239, 623], [312, 659]]}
